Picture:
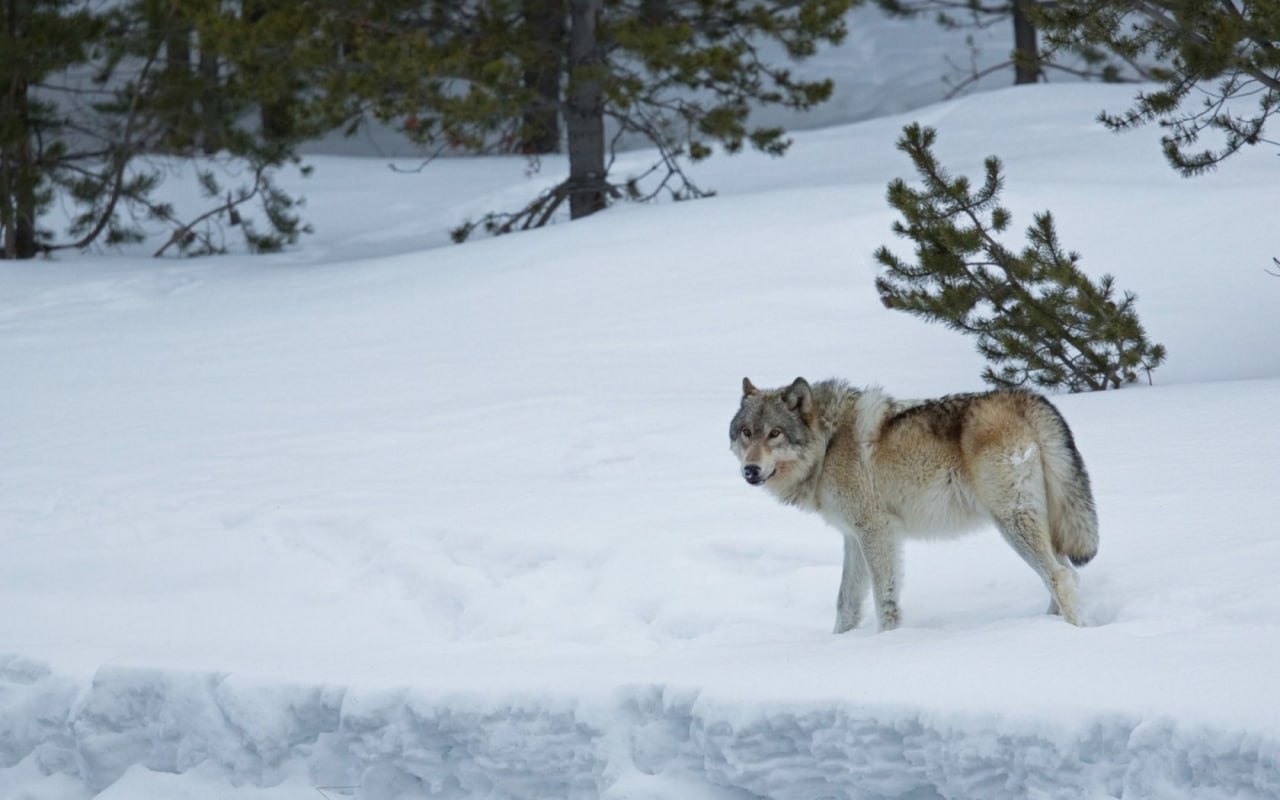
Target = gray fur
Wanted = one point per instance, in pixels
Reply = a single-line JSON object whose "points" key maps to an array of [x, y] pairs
{"points": [[881, 470]]}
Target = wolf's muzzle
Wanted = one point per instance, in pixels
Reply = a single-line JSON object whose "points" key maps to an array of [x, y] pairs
{"points": [[752, 473]]}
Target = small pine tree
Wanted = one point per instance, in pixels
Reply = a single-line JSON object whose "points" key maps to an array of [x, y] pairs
{"points": [[1038, 318]]}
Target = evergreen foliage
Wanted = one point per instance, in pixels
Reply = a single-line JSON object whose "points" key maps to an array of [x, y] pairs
{"points": [[89, 91], [682, 75], [1037, 317], [36, 40], [1221, 72], [1031, 59]]}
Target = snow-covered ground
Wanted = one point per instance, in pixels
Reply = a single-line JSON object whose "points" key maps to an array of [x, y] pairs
{"points": [[384, 517]]}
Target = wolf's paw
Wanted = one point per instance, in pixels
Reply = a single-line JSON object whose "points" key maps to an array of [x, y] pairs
{"points": [[889, 616], [846, 622]]}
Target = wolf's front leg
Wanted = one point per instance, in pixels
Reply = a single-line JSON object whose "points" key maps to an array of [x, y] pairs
{"points": [[883, 552], [853, 586]]}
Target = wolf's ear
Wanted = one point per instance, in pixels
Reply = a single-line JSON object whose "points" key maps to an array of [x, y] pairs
{"points": [[799, 398], [748, 388]]}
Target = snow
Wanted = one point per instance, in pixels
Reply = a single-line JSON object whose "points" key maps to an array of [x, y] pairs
{"points": [[383, 517]]}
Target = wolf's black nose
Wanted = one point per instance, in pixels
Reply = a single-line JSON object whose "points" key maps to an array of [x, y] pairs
{"points": [[751, 472]]}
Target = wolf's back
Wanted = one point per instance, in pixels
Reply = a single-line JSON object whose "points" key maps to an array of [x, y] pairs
{"points": [[1073, 518]]}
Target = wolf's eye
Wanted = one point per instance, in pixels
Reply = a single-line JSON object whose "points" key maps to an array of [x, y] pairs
{"points": [[745, 433], [775, 433]]}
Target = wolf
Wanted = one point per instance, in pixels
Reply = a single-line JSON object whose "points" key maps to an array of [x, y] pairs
{"points": [[880, 470]]}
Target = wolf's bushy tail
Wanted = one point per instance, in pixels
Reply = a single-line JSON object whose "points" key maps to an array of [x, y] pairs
{"points": [[1073, 519]]}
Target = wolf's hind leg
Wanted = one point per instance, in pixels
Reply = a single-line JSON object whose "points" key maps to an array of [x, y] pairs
{"points": [[1010, 482], [853, 586], [1053, 601], [1028, 534]]}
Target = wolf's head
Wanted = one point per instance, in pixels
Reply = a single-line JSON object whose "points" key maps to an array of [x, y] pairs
{"points": [[772, 431]]}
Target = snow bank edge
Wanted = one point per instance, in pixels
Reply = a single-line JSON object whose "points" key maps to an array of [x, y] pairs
{"points": [[637, 742]]}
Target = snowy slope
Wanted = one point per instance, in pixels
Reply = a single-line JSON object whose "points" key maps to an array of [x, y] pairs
{"points": [[432, 521]]}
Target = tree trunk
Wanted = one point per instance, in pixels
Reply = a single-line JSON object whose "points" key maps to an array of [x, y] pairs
{"points": [[584, 112], [177, 73], [18, 216], [19, 177], [278, 119], [540, 126], [177, 49], [210, 105], [8, 204], [1026, 45], [276, 111], [24, 228], [655, 12]]}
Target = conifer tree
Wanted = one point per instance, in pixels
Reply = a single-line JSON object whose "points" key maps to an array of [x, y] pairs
{"points": [[1037, 317], [1032, 59], [87, 90], [1025, 58], [36, 39], [682, 75], [1220, 76]]}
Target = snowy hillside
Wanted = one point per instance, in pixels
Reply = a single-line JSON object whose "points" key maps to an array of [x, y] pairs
{"points": [[388, 518]]}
